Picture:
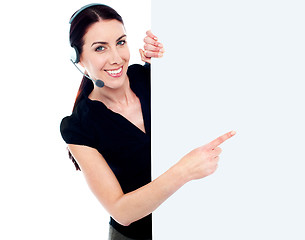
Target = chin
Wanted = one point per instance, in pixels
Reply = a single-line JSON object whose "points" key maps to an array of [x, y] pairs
{"points": [[116, 83]]}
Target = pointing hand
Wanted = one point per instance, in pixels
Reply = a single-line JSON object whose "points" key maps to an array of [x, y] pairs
{"points": [[203, 161]]}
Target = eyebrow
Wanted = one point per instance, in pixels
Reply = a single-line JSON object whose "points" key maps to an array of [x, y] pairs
{"points": [[124, 35]]}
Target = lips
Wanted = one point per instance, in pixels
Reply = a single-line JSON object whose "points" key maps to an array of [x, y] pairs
{"points": [[115, 72]]}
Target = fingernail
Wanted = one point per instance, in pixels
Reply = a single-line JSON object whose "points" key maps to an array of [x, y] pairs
{"points": [[160, 45], [160, 54], [162, 50], [233, 133], [155, 38]]}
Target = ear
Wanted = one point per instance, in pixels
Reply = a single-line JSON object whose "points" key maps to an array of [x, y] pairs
{"points": [[81, 63]]}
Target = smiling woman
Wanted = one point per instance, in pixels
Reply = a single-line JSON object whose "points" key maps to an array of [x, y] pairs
{"points": [[109, 131]]}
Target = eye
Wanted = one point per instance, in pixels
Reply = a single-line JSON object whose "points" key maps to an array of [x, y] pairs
{"points": [[100, 49], [122, 42]]}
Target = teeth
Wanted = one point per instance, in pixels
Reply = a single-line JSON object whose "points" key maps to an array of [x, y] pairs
{"points": [[115, 71]]}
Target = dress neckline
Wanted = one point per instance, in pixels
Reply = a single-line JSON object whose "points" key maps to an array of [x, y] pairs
{"points": [[116, 115]]}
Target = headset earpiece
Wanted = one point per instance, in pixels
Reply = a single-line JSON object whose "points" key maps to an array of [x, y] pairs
{"points": [[74, 55]]}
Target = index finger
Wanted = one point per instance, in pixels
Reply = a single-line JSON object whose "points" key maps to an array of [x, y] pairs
{"points": [[149, 34], [215, 143]]}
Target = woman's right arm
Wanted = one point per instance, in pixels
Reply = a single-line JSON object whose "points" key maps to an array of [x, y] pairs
{"points": [[132, 206]]}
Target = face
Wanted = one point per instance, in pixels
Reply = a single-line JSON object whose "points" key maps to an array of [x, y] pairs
{"points": [[105, 54]]}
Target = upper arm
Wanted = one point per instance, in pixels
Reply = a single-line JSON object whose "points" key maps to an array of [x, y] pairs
{"points": [[99, 176]]}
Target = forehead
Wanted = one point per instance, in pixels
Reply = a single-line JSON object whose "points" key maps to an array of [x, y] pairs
{"points": [[105, 30]]}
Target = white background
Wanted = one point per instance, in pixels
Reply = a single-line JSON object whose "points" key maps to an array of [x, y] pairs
{"points": [[42, 196], [232, 65]]}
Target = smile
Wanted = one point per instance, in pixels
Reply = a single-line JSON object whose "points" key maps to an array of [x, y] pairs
{"points": [[115, 72]]}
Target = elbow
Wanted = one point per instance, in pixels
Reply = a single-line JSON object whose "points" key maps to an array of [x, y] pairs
{"points": [[123, 217], [124, 221], [125, 224], [124, 214]]}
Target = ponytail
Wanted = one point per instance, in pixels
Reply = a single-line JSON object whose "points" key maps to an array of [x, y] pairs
{"points": [[84, 85]]}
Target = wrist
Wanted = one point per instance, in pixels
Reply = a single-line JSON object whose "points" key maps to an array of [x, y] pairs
{"points": [[180, 173]]}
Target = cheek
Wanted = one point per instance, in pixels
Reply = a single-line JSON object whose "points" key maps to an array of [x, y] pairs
{"points": [[97, 63]]}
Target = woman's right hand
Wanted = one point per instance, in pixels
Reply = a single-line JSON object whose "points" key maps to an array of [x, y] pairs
{"points": [[202, 161]]}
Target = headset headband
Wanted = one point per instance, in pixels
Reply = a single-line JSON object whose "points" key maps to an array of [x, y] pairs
{"points": [[83, 8]]}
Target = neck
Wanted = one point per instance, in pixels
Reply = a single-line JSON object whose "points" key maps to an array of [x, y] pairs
{"points": [[114, 98]]}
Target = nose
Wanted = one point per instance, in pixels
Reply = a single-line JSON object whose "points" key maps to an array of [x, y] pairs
{"points": [[115, 57]]}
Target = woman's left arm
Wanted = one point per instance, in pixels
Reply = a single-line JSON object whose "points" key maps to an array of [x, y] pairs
{"points": [[152, 48]]}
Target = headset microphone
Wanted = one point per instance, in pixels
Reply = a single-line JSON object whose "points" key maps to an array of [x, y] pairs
{"points": [[98, 83]]}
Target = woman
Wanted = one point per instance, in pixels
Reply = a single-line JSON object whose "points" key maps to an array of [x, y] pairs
{"points": [[108, 133]]}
